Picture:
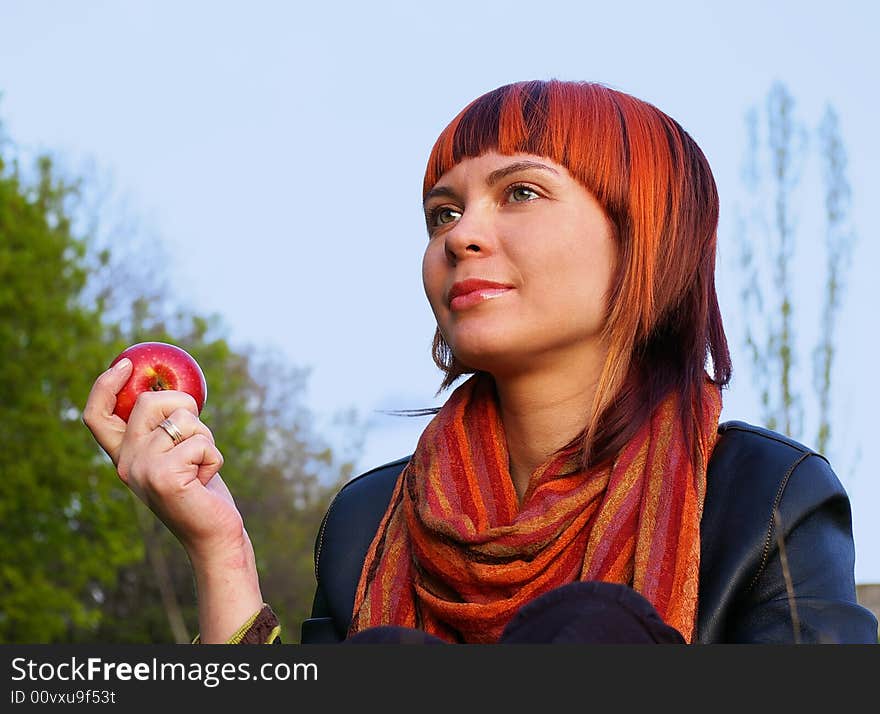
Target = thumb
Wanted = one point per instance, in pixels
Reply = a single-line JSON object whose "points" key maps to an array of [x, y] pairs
{"points": [[107, 386], [98, 416]]}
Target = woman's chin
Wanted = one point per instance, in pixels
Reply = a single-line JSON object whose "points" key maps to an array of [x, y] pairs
{"points": [[495, 361]]}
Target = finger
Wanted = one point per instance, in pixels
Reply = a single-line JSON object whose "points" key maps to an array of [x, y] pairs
{"points": [[151, 408], [168, 475], [102, 397], [139, 444], [186, 423], [189, 424], [199, 451], [98, 416]]}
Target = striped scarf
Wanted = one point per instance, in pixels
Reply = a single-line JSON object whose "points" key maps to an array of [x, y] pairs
{"points": [[457, 555]]}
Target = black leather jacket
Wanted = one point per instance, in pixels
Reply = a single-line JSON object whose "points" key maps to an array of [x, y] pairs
{"points": [[744, 597]]}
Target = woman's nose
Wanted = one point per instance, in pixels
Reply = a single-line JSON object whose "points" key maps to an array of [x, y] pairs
{"points": [[470, 236]]}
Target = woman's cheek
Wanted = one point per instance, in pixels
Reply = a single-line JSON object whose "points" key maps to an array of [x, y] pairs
{"points": [[432, 278]]}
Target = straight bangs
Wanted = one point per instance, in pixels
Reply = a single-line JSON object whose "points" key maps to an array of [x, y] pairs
{"points": [[574, 124], [663, 321]]}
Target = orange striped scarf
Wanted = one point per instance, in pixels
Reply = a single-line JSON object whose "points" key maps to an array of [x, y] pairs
{"points": [[457, 555]]}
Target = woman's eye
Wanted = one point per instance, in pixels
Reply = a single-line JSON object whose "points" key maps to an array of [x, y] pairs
{"points": [[523, 193], [442, 216]]}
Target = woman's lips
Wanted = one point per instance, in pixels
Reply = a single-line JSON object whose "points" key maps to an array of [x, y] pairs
{"points": [[475, 297]]}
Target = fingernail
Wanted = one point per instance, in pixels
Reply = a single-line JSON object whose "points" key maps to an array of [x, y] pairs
{"points": [[121, 364]]}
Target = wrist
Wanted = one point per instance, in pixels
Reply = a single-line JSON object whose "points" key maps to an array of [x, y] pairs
{"points": [[228, 590], [221, 555]]}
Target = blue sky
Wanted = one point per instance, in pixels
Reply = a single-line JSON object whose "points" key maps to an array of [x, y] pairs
{"points": [[276, 150]]}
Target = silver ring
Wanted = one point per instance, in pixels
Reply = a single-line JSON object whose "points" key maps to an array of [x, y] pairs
{"points": [[171, 429]]}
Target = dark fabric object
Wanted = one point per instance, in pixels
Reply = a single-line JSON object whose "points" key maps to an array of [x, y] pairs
{"points": [[743, 595], [590, 613], [393, 635], [576, 613]]}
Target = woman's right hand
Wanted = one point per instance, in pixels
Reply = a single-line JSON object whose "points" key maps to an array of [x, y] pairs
{"points": [[180, 483]]}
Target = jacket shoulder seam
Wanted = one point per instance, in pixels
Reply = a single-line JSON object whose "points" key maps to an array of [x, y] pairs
{"points": [[771, 526]]}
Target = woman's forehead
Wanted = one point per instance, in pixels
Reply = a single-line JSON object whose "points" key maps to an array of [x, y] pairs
{"points": [[496, 165]]}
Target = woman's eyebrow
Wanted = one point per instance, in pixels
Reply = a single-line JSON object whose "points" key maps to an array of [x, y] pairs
{"points": [[443, 191], [492, 178], [505, 171]]}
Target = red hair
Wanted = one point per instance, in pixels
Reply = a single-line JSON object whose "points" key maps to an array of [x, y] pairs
{"points": [[654, 183]]}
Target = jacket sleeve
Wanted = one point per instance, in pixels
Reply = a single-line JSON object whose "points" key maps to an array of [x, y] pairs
{"points": [[804, 589]]}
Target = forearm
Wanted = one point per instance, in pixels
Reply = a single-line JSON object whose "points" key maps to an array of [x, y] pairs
{"points": [[228, 591]]}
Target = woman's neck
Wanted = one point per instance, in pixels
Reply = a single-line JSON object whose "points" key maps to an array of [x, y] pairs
{"points": [[541, 413]]}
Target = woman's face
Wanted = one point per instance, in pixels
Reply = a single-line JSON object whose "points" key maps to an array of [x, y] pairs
{"points": [[524, 222]]}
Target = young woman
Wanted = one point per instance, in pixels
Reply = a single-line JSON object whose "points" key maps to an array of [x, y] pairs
{"points": [[576, 485]]}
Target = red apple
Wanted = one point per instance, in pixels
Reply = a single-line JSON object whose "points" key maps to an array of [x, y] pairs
{"points": [[157, 366]]}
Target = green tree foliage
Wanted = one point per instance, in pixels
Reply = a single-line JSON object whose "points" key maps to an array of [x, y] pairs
{"points": [[81, 560], [66, 525]]}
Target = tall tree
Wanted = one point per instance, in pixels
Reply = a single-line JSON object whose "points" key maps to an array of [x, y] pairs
{"points": [[66, 526], [839, 239], [779, 148]]}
